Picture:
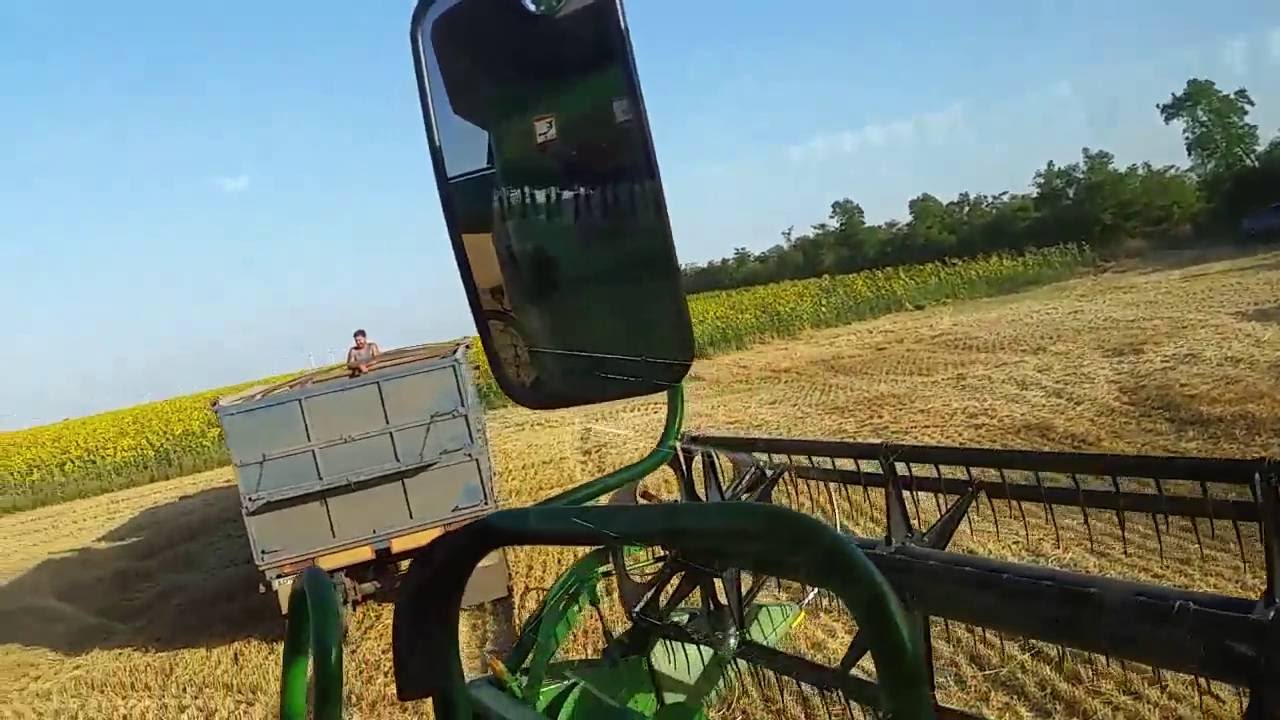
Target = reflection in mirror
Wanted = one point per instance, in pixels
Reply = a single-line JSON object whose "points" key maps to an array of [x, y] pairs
{"points": [[552, 195]]}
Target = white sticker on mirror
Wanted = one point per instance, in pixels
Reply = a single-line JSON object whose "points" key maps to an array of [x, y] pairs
{"points": [[544, 129], [622, 109]]}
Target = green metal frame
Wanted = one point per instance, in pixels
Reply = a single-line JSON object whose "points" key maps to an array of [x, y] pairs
{"points": [[605, 484], [313, 636], [425, 642]]}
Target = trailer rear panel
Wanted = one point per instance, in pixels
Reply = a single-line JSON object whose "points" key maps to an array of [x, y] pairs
{"points": [[337, 471]]}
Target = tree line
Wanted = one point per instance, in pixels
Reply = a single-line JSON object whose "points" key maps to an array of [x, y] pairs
{"points": [[1090, 201]]}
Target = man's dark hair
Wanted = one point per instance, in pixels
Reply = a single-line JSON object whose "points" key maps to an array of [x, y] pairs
{"points": [[358, 333]]}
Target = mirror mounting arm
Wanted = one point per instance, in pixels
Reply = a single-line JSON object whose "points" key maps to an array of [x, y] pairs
{"points": [[659, 456]]}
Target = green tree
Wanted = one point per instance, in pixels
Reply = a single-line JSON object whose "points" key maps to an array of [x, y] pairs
{"points": [[1090, 200], [1215, 128], [848, 215]]}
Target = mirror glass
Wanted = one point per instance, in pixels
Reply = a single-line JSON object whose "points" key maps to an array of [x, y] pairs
{"points": [[552, 197]]}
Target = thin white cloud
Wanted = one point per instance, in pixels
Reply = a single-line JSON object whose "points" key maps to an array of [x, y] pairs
{"points": [[232, 183], [1235, 55], [1273, 44], [931, 127]]}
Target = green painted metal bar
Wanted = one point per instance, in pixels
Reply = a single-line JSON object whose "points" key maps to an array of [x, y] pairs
{"points": [[425, 638], [605, 484], [569, 596], [313, 636]]}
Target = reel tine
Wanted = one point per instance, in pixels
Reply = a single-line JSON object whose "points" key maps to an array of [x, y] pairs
{"points": [[1164, 502], [1155, 523], [688, 664], [866, 493], [831, 494], [1049, 514], [1213, 530], [848, 498], [915, 497], [1026, 527], [777, 683], [809, 486], [1240, 543], [1195, 529], [666, 647], [995, 516], [1124, 539], [938, 497], [1008, 496], [807, 483], [1084, 511], [788, 484], [798, 487]]}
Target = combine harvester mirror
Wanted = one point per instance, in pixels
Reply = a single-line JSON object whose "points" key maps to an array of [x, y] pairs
{"points": [[551, 194]]}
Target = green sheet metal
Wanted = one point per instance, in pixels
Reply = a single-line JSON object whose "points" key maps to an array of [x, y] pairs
{"points": [[695, 673], [688, 676]]}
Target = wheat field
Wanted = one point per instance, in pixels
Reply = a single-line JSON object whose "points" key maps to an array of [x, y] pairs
{"points": [[142, 603]]}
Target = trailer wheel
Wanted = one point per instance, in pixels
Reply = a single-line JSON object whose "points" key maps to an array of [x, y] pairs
{"points": [[349, 595], [347, 611]]}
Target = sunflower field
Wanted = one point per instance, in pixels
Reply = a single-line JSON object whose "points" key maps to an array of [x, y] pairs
{"points": [[726, 320], [99, 453]]}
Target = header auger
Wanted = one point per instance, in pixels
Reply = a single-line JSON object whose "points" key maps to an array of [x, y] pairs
{"points": [[761, 577]]}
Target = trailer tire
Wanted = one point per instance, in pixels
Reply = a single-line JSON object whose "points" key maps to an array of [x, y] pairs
{"points": [[347, 611]]}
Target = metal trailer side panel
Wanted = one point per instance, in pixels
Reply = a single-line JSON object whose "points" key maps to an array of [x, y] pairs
{"points": [[346, 431], [330, 470], [372, 514]]}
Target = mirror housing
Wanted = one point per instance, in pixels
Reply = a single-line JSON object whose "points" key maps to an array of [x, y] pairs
{"points": [[549, 184]]}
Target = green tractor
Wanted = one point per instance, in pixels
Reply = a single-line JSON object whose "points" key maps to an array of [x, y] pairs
{"points": [[549, 185]]}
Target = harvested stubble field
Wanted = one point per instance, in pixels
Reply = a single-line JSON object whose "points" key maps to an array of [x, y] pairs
{"points": [[141, 603]]}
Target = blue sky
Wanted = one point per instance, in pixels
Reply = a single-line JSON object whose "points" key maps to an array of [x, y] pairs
{"points": [[195, 194]]}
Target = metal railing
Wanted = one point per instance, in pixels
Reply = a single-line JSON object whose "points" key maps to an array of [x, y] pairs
{"points": [[1165, 562]]}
